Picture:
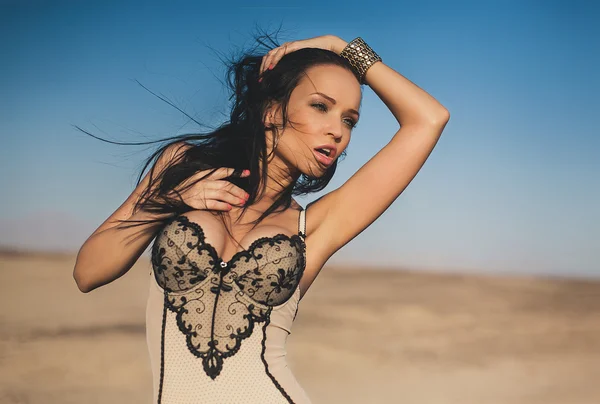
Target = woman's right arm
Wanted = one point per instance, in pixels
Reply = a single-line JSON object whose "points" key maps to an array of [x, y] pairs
{"points": [[111, 250]]}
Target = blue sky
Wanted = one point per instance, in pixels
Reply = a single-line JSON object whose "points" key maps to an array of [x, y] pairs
{"points": [[512, 186]]}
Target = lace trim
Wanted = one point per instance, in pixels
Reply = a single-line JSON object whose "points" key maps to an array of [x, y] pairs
{"points": [[242, 291]]}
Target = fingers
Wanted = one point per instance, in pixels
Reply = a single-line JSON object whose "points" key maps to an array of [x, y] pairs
{"points": [[274, 56], [262, 63], [236, 192], [222, 172], [265, 61], [212, 204], [222, 195], [225, 191], [206, 190], [216, 196]]}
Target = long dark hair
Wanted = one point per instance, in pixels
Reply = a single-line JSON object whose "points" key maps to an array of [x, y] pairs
{"points": [[241, 142]]}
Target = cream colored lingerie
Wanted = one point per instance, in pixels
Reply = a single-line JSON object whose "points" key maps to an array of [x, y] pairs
{"points": [[216, 331]]}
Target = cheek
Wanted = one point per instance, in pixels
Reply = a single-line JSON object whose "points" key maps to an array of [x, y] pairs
{"points": [[306, 121], [345, 144], [306, 130]]}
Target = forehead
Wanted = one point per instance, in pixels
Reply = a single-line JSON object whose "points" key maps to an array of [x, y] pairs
{"points": [[334, 81]]}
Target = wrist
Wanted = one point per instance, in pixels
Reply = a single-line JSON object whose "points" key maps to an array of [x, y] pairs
{"points": [[338, 44], [360, 56]]}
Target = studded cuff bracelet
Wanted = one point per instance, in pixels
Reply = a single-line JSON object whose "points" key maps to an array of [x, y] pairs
{"points": [[360, 56]]}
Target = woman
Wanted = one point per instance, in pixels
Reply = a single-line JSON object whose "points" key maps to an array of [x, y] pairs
{"points": [[233, 253]]}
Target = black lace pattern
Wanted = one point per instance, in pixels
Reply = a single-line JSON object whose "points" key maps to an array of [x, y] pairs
{"points": [[217, 303]]}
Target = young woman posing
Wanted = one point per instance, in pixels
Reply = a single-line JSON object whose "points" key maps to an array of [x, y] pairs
{"points": [[233, 253]]}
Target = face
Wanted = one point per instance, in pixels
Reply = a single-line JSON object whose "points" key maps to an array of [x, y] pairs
{"points": [[322, 111]]}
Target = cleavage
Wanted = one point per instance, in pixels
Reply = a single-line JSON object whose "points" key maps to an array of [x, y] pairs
{"points": [[216, 235]]}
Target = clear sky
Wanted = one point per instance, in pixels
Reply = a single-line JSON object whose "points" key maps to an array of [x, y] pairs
{"points": [[512, 186]]}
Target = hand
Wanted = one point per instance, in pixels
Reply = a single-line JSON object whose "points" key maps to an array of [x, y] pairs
{"points": [[212, 192], [327, 42]]}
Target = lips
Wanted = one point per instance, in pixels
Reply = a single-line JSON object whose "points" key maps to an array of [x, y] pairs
{"points": [[330, 148], [325, 160]]}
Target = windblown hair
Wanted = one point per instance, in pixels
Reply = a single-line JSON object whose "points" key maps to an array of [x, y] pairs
{"points": [[241, 142]]}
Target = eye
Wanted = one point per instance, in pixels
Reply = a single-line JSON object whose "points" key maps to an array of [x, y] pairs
{"points": [[350, 123], [322, 107]]}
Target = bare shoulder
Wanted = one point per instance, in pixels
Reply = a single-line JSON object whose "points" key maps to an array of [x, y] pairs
{"points": [[125, 211], [173, 151]]}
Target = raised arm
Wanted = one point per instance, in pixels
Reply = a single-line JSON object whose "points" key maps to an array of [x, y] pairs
{"points": [[342, 214]]}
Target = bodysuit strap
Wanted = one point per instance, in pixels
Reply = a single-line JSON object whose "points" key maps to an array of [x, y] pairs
{"points": [[302, 223]]}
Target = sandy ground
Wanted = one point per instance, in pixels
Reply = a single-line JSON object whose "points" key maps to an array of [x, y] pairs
{"points": [[360, 336]]}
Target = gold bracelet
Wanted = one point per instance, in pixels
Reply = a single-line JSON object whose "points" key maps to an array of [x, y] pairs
{"points": [[360, 56]]}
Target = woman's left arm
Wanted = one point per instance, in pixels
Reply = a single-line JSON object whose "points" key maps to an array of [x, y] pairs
{"points": [[345, 212]]}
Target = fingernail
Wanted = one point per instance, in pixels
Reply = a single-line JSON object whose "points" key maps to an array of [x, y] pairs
{"points": [[242, 201], [270, 67], [246, 172], [259, 80], [229, 207]]}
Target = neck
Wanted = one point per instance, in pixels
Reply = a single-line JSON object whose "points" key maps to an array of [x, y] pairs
{"points": [[280, 175]]}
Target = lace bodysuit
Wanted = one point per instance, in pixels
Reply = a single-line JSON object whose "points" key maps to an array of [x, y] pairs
{"points": [[216, 330]]}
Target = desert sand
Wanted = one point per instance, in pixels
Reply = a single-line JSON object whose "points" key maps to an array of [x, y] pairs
{"points": [[361, 336]]}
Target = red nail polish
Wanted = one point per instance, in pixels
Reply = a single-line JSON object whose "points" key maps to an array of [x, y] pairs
{"points": [[259, 80], [270, 67]]}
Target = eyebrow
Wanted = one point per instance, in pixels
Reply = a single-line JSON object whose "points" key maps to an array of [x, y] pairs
{"points": [[334, 102]]}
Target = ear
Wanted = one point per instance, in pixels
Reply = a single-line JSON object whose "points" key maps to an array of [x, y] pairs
{"points": [[271, 114]]}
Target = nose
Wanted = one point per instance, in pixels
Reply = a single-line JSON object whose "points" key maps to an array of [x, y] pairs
{"points": [[335, 128]]}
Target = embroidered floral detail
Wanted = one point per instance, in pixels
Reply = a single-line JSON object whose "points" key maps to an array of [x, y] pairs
{"points": [[217, 303]]}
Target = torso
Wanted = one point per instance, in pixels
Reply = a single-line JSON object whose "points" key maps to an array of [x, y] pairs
{"points": [[280, 223], [219, 314]]}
